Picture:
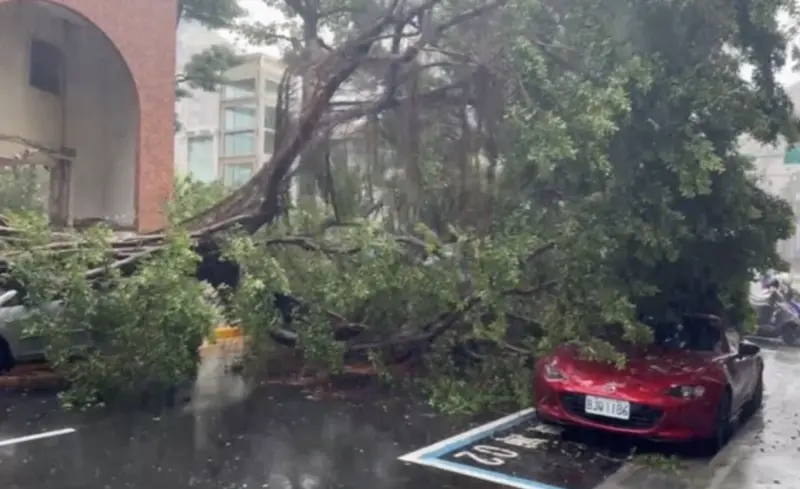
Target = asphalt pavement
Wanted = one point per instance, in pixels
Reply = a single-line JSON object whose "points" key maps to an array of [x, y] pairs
{"points": [[235, 436], [765, 453]]}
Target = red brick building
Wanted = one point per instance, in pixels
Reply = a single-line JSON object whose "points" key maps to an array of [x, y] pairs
{"points": [[92, 83]]}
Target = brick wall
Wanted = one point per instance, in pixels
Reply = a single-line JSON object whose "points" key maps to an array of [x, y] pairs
{"points": [[143, 31]]}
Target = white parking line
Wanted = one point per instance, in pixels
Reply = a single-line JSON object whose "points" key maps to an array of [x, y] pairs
{"points": [[465, 437], [39, 436]]}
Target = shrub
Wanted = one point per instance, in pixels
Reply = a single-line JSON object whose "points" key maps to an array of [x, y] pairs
{"points": [[144, 328]]}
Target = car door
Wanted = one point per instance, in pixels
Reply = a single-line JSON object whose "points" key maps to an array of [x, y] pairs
{"points": [[23, 347]]}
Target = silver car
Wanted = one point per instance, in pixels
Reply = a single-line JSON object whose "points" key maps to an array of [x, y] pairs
{"points": [[15, 345]]}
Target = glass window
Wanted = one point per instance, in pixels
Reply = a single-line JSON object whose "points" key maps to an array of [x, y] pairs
{"points": [[238, 143], [236, 174], [240, 117], [271, 88], [269, 117], [239, 89], [792, 156], [269, 142], [200, 163], [46, 67], [692, 334]]}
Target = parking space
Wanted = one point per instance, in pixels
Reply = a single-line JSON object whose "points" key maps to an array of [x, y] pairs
{"points": [[233, 436], [519, 451]]}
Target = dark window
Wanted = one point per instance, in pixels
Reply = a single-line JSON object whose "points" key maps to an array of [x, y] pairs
{"points": [[46, 67]]}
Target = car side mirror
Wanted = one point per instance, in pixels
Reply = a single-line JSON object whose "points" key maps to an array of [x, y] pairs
{"points": [[748, 349]]}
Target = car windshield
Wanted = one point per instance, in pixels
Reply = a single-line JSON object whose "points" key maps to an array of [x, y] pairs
{"points": [[692, 334]]}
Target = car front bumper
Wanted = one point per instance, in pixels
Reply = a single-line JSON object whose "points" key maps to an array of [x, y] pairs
{"points": [[663, 419]]}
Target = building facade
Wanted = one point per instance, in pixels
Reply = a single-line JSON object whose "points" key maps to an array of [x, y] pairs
{"points": [[83, 88], [197, 114], [778, 170], [234, 143]]}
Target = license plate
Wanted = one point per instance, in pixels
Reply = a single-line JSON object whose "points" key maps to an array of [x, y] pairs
{"points": [[610, 408]]}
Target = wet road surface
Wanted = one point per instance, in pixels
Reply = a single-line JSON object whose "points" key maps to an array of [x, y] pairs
{"points": [[765, 453], [234, 436]]}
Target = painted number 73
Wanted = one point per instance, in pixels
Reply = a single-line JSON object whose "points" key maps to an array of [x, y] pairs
{"points": [[487, 455]]}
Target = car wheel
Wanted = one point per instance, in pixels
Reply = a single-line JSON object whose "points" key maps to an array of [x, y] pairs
{"points": [[790, 335], [6, 358], [723, 427]]}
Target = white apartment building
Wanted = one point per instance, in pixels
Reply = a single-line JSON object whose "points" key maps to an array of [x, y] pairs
{"points": [[228, 135], [247, 118]]}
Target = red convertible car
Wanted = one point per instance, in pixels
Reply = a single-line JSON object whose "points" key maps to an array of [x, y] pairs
{"points": [[692, 383]]}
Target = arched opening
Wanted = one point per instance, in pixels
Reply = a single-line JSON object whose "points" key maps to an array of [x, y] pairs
{"points": [[68, 104]]}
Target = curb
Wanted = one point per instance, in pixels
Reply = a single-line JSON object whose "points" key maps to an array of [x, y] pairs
{"points": [[30, 377], [224, 339]]}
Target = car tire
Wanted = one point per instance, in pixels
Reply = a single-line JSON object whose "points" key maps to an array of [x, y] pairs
{"points": [[790, 335], [6, 358], [723, 426]]}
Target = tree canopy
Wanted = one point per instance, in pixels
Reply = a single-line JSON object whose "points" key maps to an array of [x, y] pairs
{"points": [[489, 179]]}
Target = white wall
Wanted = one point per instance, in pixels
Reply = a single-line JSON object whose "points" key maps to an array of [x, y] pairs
{"points": [[96, 115]]}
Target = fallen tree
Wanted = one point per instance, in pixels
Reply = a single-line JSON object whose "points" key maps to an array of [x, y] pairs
{"points": [[544, 176]]}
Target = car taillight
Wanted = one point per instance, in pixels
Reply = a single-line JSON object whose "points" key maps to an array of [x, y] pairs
{"points": [[686, 391]]}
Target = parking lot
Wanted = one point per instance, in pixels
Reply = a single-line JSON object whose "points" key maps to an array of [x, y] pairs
{"points": [[235, 435]]}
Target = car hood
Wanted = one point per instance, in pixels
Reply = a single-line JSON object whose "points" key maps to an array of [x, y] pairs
{"points": [[644, 371]]}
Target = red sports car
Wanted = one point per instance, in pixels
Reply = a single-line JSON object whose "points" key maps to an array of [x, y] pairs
{"points": [[692, 383]]}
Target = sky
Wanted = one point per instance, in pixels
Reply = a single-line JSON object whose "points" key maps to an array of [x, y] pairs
{"points": [[261, 13]]}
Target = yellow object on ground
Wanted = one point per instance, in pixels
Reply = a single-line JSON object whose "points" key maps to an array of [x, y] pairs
{"points": [[227, 332], [225, 340]]}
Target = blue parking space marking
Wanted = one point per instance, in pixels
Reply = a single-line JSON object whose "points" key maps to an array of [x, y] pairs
{"points": [[518, 451], [430, 456]]}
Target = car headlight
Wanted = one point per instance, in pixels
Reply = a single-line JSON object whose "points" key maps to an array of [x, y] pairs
{"points": [[687, 391], [551, 372]]}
